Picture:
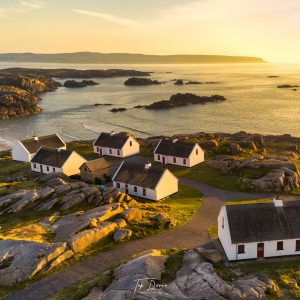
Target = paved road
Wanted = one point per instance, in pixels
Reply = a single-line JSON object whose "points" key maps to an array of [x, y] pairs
{"points": [[191, 235]]}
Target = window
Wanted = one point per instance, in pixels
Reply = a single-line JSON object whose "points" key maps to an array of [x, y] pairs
{"points": [[118, 152], [54, 170], [158, 157], [118, 185], [34, 166], [110, 151], [174, 160], [135, 189], [184, 161], [144, 192], [130, 143], [241, 249], [280, 245], [297, 245], [197, 151]]}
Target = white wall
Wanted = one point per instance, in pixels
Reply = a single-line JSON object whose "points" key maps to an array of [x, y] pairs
{"points": [[195, 159], [43, 169], [167, 185], [270, 247], [73, 163], [128, 150], [150, 194], [20, 153], [191, 161]]}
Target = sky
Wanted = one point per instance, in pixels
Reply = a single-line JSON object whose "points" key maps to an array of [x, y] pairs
{"points": [[264, 28]]}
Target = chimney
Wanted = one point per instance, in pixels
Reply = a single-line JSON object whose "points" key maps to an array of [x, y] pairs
{"points": [[148, 165], [175, 141], [112, 133], [36, 138], [277, 201]]}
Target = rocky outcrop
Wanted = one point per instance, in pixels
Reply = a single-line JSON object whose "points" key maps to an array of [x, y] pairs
{"points": [[79, 84], [132, 214], [73, 73], [179, 100], [19, 94], [137, 81], [122, 234], [21, 260], [178, 82], [140, 279], [114, 110], [85, 238]]}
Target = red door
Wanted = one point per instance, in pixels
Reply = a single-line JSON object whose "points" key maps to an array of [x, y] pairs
{"points": [[126, 189], [260, 250], [164, 160]]}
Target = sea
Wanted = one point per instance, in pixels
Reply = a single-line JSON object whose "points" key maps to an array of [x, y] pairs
{"points": [[254, 103]]}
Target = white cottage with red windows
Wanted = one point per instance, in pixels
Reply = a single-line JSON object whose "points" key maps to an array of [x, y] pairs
{"points": [[258, 230], [49, 160], [178, 153], [145, 181], [116, 144]]}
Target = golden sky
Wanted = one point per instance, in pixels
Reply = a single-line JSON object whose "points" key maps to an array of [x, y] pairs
{"points": [[265, 28]]}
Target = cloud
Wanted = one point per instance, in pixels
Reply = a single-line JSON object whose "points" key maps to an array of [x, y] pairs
{"points": [[24, 6], [107, 17]]}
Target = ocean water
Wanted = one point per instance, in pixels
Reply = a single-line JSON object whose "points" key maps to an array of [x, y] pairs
{"points": [[254, 103]]}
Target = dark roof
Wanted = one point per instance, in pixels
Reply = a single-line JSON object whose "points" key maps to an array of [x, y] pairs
{"points": [[115, 141], [51, 157], [137, 174], [96, 164], [50, 141], [263, 222], [178, 148]]}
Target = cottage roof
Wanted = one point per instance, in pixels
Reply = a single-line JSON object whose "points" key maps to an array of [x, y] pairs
{"points": [[34, 144], [263, 222], [137, 174], [96, 164], [51, 157], [114, 141], [175, 148]]}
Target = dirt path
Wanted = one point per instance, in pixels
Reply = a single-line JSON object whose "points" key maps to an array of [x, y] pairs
{"points": [[191, 235]]}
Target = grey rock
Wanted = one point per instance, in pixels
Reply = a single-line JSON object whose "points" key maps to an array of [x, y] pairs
{"points": [[28, 198], [48, 205], [122, 234], [46, 192]]}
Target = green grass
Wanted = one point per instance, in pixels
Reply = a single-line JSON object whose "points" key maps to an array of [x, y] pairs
{"points": [[206, 174], [213, 232], [173, 264], [285, 273]]}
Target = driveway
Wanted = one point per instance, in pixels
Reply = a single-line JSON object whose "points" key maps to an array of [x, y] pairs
{"points": [[190, 235]]}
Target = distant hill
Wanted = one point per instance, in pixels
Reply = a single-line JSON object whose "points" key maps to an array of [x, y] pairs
{"points": [[124, 58]]}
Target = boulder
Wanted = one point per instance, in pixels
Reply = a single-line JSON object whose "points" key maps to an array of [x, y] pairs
{"points": [[46, 192], [79, 198], [121, 223], [62, 188], [21, 260], [214, 255], [48, 177], [71, 224], [28, 198], [132, 214], [48, 205], [122, 234], [9, 198], [209, 144], [163, 220], [83, 239], [64, 256]]}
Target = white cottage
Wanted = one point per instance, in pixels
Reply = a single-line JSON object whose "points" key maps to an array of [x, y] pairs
{"points": [[257, 230], [49, 160], [145, 181], [116, 144], [178, 153], [24, 150]]}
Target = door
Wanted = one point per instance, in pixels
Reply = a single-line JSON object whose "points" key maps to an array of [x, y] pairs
{"points": [[164, 160], [260, 250], [41, 169], [100, 152], [126, 189]]}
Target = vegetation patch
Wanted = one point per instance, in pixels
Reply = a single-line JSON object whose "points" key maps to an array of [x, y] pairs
{"points": [[213, 232]]}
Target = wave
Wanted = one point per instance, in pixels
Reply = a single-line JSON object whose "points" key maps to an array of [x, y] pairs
{"points": [[6, 144], [72, 137], [101, 129]]}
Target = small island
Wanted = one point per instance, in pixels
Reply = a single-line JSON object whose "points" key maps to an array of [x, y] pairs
{"points": [[79, 84], [178, 100], [134, 81], [288, 86], [114, 110]]}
